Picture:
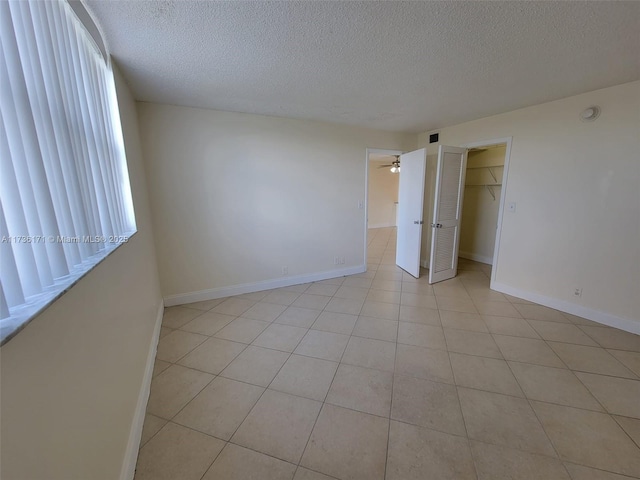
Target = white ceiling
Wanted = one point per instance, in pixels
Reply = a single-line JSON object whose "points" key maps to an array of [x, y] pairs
{"points": [[404, 66]]}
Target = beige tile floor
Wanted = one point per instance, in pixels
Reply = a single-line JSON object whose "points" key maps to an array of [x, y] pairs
{"points": [[382, 376]]}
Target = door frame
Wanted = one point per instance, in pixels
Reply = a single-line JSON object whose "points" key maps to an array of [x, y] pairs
{"points": [[368, 151], [505, 172]]}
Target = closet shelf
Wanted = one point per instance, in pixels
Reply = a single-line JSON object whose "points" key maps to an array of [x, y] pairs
{"points": [[484, 166], [489, 168], [483, 185]]}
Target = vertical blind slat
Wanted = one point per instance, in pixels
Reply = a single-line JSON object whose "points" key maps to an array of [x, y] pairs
{"points": [[72, 100], [64, 181], [107, 154], [12, 290], [22, 141], [120, 158], [4, 307], [15, 217], [50, 256], [109, 139], [47, 134], [50, 126], [51, 211], [61, 126], [98, 154]]}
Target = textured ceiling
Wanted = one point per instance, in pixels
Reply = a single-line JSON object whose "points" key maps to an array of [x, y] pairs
{"points": [[404, 66]]}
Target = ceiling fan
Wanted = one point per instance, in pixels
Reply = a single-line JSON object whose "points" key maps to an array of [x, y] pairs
{"points": [[395, 165]]}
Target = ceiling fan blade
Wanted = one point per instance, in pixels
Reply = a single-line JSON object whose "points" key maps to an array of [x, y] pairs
{"points": [[385, 166]]}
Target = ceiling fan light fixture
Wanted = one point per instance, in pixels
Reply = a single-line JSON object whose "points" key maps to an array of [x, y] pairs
{"points": [[395, 165]]}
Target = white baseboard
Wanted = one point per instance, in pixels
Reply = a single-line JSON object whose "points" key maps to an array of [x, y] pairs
{"points": [[626, 324], [135, 434], [476, 257], [221, 292], [425, 264], [381, 225]]}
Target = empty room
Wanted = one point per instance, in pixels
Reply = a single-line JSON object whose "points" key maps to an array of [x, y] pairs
{"points": [[319, 240]]}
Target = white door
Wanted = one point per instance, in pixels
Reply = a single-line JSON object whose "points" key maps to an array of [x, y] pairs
{"points": [[410, 201], [447, 210]]}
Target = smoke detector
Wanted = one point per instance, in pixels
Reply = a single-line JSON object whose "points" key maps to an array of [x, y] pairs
{"points": [[590, 114]]}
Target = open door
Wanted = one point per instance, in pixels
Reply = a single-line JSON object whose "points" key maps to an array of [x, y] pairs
{"points": [[410, 202], [447, 210]]}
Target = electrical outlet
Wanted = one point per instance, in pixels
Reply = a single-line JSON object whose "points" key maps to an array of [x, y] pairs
{"points": [[341, 260], [285, 270], [577, 292]]}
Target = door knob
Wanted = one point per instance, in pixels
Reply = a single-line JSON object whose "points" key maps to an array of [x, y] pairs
{"points": [[436, 225]]}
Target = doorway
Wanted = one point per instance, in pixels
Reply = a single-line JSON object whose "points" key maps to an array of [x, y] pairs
{"points": [[382, 208], [494, 186], [381, 198], [483, 195], [503, 147], [482, 192]]}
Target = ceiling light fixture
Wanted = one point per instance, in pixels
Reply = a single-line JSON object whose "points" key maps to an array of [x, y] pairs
{"points": [[395, 165]]}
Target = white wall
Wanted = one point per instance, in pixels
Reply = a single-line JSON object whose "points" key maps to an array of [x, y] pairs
{"points": [[236, 197], [71, 379], [577, 220], [479, 208], [382, 195]]}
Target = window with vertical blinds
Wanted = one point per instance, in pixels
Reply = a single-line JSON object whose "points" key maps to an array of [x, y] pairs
{"points": [[65, 199]]}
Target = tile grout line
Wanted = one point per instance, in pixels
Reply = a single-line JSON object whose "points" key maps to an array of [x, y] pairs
{"points": [[397, 343], [474, 460], [205, 386], [324, 402], [528, 400], [637, 443], [406, 375], [464, 421], [393, 382], [252, 408]]}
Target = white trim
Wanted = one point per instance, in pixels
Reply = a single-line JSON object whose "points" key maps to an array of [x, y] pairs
{"points": [[475, 257], [626, 324], [382, 225], [228, 291], [135, 434], [425, 264], [503, 194]]}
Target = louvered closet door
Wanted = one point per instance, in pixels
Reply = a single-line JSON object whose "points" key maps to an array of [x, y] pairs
{"points": [[447, 211]]}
